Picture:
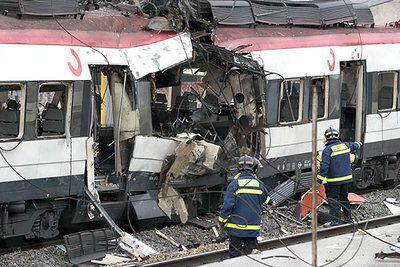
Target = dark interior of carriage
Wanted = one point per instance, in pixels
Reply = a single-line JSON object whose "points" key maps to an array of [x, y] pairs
{"points": [[349, 76], [10, 110], [52, 109]]}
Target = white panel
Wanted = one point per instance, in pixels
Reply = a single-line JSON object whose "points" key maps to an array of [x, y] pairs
{"points": [[294, 139], [381, 127], [155, 57], [382, 57], [43, 158], [314, 61], [41, 62], [149, 153], [54, 62]]}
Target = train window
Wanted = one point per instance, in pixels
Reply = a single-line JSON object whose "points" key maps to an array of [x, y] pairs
{"points": [[11, 110], [323, 93], [291, 99], [52, 109], [387, 90]]}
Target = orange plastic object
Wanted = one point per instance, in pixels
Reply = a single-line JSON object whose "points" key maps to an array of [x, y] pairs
{"points": [[355, 199], [306, 201]]}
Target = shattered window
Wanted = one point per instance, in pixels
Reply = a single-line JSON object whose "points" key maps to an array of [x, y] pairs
{"points": [[291, 96], [11, 110], [387, 90], [52, 109], [322, 90]]}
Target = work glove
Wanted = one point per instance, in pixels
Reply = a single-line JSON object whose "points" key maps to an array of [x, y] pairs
{"points": [[274, 205], [223, 235]]}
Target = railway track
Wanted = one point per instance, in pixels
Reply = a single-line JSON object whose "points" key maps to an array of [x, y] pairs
{"points": [[222, 254]]}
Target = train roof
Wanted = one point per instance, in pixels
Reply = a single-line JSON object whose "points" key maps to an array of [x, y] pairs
{"points": [[100, 28], [275, 37]]}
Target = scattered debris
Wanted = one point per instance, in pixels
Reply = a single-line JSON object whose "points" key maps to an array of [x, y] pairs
{"points": [[382, 255], [391, 200], [204, 224], [110, 259], [396, 247], [215, 231], [278, 256], [393, 208], [170, 202], [355, 199], [171, 240]]}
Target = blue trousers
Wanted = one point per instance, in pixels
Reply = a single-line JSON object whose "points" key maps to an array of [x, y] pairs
{"points": [[338, 199], [241, 245]]}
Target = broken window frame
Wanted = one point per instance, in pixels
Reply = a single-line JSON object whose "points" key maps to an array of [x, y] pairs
{"points": [[68, 111], [21, 111], [394, 93], [326, 95], [301, 99]]}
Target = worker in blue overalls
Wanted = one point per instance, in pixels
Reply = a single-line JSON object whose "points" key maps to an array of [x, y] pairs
{"points": [[336, 174], [240, 214]]}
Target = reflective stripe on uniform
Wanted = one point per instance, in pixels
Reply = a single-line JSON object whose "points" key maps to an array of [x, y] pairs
{"points": [[236, 176], [338, 147], [323, 178], [352, 158], [242, 227], [268, 200], [220, 219], [340, 152], [248, 182], [339, 179], [248, 191]]}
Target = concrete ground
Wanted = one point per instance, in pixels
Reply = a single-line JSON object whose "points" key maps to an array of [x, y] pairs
{"points": [[328, 250]]}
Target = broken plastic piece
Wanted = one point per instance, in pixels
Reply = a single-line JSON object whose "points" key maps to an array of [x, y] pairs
{"points": [[393, 208], [355, 199], [306, 201], [110, 259]]}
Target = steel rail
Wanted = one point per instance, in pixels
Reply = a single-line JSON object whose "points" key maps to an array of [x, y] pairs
{"points": [[222, 254]]}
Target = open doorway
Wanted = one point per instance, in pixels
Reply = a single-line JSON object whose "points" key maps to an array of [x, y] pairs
{"points": [[352, 89]]}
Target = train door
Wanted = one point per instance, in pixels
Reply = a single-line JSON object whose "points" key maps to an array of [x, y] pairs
{"points": [[115, 121], [352, 103]]}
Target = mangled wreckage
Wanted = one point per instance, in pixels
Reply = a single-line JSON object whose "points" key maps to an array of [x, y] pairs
{"points": [[147, 116], [107, 118]]}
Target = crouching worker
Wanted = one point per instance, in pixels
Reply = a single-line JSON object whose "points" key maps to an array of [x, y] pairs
{"points": [[240, 214]]}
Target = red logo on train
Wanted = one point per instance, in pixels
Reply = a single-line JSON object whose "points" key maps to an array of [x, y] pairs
{"points": [[78, 70], [331, 65]]}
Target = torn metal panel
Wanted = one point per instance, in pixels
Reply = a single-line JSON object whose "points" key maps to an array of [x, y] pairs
{"points": [[245, 99], [172, 203], [194, 158], [128, 121], [149, 153]]}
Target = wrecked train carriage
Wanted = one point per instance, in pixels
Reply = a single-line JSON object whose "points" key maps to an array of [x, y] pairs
{"points": [[75, 112], [356, 74]]}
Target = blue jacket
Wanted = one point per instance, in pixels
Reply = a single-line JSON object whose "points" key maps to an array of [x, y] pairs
{"points": [[242, 208], [336, 165]]}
